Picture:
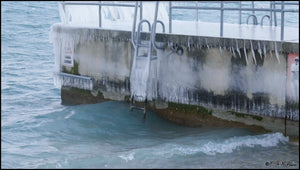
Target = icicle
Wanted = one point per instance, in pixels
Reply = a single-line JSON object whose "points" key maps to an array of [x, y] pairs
{"points": [[265, 51], [188, 44], [259, 49], [206, 43], [237, 48], [276, 52], [220, 49], [271, 53], [233, 51], [245, 52], [253, 54]]}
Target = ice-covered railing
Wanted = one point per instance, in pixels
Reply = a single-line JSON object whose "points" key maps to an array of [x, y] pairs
{"points": [[221, 7], [107, 14], [65, 79], [120, 13]]}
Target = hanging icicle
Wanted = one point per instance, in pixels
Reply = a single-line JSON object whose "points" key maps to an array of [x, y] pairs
{"points": [[276, 52], [237, 48], [259, 49], [253, 54], [265, 50], [245, 51]]}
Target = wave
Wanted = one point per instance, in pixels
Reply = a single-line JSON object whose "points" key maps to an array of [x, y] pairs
{"points": [[226, 146], [128, 157]]}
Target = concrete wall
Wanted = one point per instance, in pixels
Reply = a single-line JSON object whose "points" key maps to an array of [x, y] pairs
{"points": [[247, 76]]}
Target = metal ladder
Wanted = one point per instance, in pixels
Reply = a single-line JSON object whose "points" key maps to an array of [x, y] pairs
{"points": [[143, 61]]}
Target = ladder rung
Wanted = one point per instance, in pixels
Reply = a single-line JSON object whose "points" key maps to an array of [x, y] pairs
{"points": [[142, 56], [143, 45], [153, 58], [137, 107]]}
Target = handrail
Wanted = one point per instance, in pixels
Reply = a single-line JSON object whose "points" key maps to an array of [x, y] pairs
{"points": [[262, 19], [139, 28], [254, 20], [153, 32], [272, 9]]}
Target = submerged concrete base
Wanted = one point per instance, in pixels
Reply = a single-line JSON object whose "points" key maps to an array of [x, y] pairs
{"points": [[192, 115], [197, 116], [75, 96]]}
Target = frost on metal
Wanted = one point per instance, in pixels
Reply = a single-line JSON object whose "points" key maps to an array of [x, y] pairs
{"points": [[81, 82]]}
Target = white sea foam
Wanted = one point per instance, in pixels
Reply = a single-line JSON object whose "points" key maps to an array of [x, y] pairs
{"points": [[227, 146], [69, 115], [127, 157]]}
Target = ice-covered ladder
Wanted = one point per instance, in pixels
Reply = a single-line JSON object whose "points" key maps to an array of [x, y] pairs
{"points": [[139, 78]]}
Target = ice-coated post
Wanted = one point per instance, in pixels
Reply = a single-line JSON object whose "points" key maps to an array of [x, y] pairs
{"points": [[197, 11], [253, 11], [221, 25], [133, 26], [282, 21], [240, 13], [271, 7], [100, 24], [170, 16]]}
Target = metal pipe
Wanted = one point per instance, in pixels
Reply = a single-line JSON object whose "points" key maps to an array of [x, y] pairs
{"points": [[141, 12], [154, 24], [100, 16], [240, 12], [275, 18], [197, 11], [271, 7], [139, 29], [244, 9], [170, 17], [282, 21], [94, 3], [133, 26], [221, 20], [255, 19], [262, 19], [253, 12]]}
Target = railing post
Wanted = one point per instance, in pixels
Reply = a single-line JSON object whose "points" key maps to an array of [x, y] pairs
{"points": [[282, 21], [100, 16], [271, 7], [221, 20], [134, 24], [197, 11], [141, 13], [240, 12], [275, 18], [170, 16], [252, 6], [64, 9], [141, 10]]}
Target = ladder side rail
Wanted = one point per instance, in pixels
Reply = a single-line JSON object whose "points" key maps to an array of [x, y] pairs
{"points": [[153, 33], [133, 26]]}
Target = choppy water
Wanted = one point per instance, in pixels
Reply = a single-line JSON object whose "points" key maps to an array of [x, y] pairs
{"points": [[38, 132]]}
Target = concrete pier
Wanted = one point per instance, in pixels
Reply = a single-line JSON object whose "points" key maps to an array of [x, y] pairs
{"points": [[246, 76]]}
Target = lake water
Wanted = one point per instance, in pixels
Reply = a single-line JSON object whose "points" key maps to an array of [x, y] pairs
{"points": [[37, 131]]}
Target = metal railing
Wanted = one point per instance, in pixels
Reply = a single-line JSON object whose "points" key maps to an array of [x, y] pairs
{"points": [[272, 9], [100, 4]]}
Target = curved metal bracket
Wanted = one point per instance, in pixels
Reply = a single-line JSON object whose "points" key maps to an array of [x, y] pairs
{"points": [[255, 19], [262, 19], [139, 28], [153, 34]]}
